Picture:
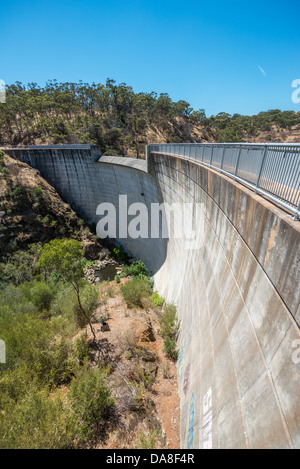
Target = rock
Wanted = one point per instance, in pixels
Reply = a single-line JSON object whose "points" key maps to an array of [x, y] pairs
{"points": [[148, 334]]}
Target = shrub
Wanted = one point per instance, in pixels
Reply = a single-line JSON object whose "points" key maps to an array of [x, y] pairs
{"points": [[157, 300], [169, 328], [64, 301], [22, 264], [36, 422], [5, 173], [168, 321], [120, 254], [134, 291], [137, 268], [46, 220], [82, 349], [40, 294], [148, 443], [89, 295], [170, 348], [37, 191], [18, 191], [90, 401]]}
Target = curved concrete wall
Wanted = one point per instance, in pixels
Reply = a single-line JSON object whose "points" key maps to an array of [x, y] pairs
{"points": [[237, 294], [238, 301]]}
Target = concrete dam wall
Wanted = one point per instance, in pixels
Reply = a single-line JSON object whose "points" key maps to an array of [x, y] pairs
{"points": [[236, 290]]}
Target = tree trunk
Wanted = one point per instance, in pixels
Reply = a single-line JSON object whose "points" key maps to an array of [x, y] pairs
{"points": [[83, 312]]}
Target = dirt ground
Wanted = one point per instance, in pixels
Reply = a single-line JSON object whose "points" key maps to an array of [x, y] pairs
{"points": [[143, 381]]}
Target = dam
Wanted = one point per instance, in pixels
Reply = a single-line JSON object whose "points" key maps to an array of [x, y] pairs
{"points": [[236, 289]]}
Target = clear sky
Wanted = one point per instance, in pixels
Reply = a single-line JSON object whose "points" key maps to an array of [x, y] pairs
{"points": [[230, 56]]}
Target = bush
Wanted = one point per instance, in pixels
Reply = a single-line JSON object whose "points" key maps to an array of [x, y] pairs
{"points": [[137, 269], [89, 295], [168, 321], [135, 290], [64, 301], [148, 443], [120, 254], [169, 330], [157, 300], [90, 402], [170, 348], [36, 422], [21, 265], [5, 173], [37, 191], [40, 294]]}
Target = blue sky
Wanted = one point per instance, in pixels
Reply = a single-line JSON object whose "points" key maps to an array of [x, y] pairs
{"points": [[207, 53]]}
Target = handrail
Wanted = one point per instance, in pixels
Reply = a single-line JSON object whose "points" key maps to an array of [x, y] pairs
{"points": [[271, 169]]}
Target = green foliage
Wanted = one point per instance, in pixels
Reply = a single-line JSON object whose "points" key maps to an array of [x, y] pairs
{"points": [[170, 348], [89, 295], [147, 442], [117, 278], [65, 257], [42, 355], [118, 119], [168, 321], [36, 421], [169, 328], [21, 265], [66, 302], [19, 192], [120, 254], [5, 172], [37, 191], [46, 220], [157, 300], [40, 294], [137, 269], [135, 290], [90, 402]]}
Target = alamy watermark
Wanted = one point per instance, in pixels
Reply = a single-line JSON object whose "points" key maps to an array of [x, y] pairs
{"points": [[138, 220], [2, 351], [2, 91], [296, 92]]}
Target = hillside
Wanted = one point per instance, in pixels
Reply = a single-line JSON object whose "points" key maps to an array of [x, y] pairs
{"points": [[31, 211], [122, 122]]}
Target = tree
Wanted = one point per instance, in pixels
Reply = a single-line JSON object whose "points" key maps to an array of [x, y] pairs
{"points": [[65, 258]]}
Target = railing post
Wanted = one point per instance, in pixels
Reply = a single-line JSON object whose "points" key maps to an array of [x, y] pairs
{"points": [[222, 158], [261, 166], [297, 217], [237, 161]]}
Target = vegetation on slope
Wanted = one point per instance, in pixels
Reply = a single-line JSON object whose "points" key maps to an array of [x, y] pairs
{"points": [[122, 122], [50, 396], [31, 211], [60, 387]]}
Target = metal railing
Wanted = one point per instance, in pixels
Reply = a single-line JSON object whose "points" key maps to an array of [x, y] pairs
{"points": [[272, 170]]}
